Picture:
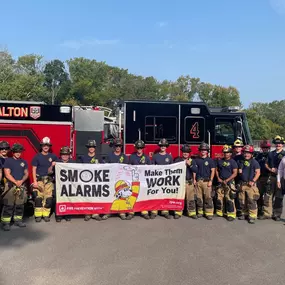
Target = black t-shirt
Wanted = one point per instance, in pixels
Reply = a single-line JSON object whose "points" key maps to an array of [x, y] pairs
{"points": [[113, 158], [248, 168], [274, 158], [135, 159], [43, 163], [204, 167], [88, 159], [261, 159], [190, 169], [162, 159], [226, 167], [16, 166]]}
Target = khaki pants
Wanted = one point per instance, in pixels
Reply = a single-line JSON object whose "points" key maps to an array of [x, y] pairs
{"points": [[225, 204], [190, 199], [13, 203], [43, 200], [204, 199], [248, 197]]}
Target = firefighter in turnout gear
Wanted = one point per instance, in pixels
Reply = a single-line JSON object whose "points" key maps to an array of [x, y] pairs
{"points": [[205, 175], [14, 196], [139, 158], [163, 158], [276, 196], [64, 158], [263, 183], [237, 150], [118, 157], [190, 185], [249, 170], [4, 149], [43, 164], [90, 157], [226, 173]]}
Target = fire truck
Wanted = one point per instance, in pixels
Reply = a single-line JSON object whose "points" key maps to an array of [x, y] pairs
{"points": [[181, 123]]}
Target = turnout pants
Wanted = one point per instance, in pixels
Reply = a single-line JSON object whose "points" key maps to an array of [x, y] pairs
{"points": [[43, 197], [265, 201], [275, 199], [204, 199], [225, 204], [248, 197], [14, 199], [190, 199]]}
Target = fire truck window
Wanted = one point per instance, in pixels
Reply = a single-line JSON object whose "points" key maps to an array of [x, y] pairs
{"points": [[194, 129], [224, 132], [157, 128]]}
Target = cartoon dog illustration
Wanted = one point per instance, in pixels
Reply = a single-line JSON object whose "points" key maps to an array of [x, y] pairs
{"points": [[126, 195]]}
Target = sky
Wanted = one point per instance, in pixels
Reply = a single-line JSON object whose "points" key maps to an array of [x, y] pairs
{"points": [[238, 43]]}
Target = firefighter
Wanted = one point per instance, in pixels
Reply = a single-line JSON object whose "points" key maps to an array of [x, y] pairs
{"points": [[43, 185], [237, 150], [190, 185], [263, 182], [226, 173], [163, 158], [64, 158], [139, 158], [4, 149], [14, 196], [275, 193], [249, 170], [117, 156], [90, 157], [205, 175]]}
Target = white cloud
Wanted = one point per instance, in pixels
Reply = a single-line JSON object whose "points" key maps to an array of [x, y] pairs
{"points": [[77, 44], [162, 24], [278, 6]]}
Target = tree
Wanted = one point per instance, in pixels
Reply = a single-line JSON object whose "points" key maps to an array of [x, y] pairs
{"points": [[55, 77]]}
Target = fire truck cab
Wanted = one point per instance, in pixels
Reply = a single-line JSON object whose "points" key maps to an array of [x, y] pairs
{"points": [[181, 123]]}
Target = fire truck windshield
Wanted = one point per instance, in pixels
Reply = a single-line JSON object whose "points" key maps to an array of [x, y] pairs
{"points": [[246, 131]]}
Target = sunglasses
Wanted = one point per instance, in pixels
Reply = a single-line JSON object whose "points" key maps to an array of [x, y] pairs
{"points": [[4, 149], [139, 147]]}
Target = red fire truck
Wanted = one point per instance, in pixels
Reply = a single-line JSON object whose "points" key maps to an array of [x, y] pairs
{"points": [[181, 123]]}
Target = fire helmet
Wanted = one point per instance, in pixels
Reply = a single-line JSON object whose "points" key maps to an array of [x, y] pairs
{"points": [[278, 140], [45, 141], [91, 143], [139, 144], [204, 146], [238, 143], [248, 148], [65, 150], [16, 147], [186, 148], [163, 142], [4, 145], [118, 142], [265, 144], [227, 148]]}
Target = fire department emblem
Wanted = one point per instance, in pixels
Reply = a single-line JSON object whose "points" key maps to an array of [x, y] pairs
{"points": [[22, 164], [50, 159], [206, 163], [35, 112], [62, 208], [167, 159]]}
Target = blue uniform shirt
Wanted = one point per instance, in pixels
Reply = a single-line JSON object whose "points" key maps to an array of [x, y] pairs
{"points": [[204, 167], [238, 158], [135, 159], [189, 169], [43, 163], [274, 158], [261, 159], [161, 159], [88, 159], [2, 161], [113, 158], [226, 167], [248, 168], [16, 166], [69, 161]]}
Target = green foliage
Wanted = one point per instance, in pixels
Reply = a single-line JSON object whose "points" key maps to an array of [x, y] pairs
{"points": [[82, 81]]}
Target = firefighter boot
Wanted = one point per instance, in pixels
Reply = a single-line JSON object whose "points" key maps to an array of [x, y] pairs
{"points": [[230, 219], [87, 218], [105, 217], [47, 219], [6, 227], [58, 219], [263, 217], [130, 216], [153, 215], [67, 218], [199, 216], [251, 221], [20, 224], [123, 216], [96, 217], [209, 218], [38, 219]]}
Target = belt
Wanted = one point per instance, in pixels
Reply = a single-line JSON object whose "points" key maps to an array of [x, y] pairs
{"points": [[204, 179]]}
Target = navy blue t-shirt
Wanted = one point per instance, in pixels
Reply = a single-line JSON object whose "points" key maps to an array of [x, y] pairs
{"points": [[135, 159], [274, 158], [248, 168], [238, 157], [16, 166], [113, 158], [2, 161], [161, 159], [226, 167], [88, 159], [261, 159], [43, 163], [204, 167], [190, 169], [69, 161]]}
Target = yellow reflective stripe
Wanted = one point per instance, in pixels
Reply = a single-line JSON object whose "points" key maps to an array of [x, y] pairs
{"points": [[144, 212], [208, 214], [190, 214], [131, 213], [253, 216], [38, 212], [179, 213], [231, 215], [46, 212], [164, 212], [200, 212], [219, 213], [6, 219], [18, 218], [154, 212]]}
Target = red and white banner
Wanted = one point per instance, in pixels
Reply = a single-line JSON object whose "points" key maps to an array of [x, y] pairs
{"points": [[118, 188]]}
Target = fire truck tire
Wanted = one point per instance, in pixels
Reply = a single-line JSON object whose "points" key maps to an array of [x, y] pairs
{"points": [[49, 202], [38, 202]]}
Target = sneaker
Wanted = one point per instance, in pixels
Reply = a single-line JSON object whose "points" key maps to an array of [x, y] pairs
{"points": [[58, 219], [96, 217], [167, 216], [67, 218], [47, 219], [153, 216], [105, 217], [20, 224], [251, 221], [123, 217], [129, 217], [176, 217], [38, 219], [147, 217], [87, 218]]}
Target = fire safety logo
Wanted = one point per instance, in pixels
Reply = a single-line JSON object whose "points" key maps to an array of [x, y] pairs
{"points": [[35, 112], [62, 208]]}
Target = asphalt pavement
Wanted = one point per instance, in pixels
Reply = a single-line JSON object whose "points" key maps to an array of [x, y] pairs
{"points": [[140, 252]]}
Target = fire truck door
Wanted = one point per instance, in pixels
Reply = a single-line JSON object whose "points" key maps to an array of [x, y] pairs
{"points": [[194, 130]]}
